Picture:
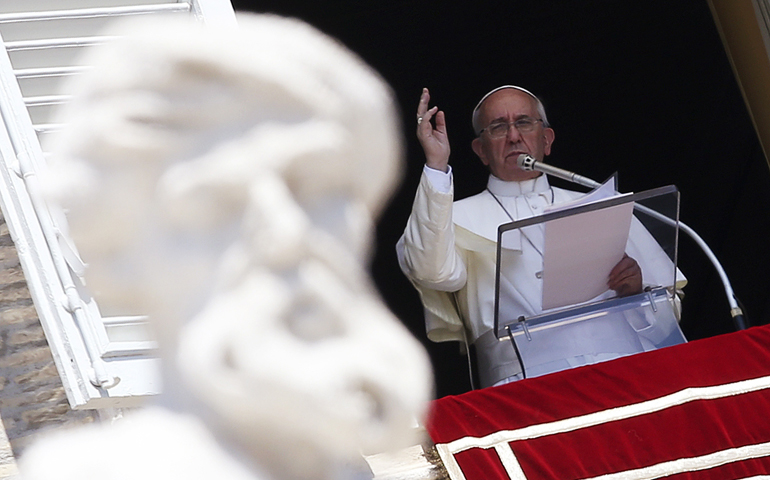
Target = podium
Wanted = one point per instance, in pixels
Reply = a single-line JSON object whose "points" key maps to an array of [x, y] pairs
{"points": [[604, 327], [690, 412]]}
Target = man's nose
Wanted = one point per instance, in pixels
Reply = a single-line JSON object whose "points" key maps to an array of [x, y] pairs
{"points": [[513, 133]]}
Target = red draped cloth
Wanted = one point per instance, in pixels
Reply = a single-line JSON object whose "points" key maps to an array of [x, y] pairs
{"points": [[700, 410]]}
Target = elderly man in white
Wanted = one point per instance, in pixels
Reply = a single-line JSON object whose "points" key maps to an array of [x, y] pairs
{"points": [[448, 248]]}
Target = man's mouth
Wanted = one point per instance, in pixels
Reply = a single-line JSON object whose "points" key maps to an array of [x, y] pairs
{"points": [[515, 154]]}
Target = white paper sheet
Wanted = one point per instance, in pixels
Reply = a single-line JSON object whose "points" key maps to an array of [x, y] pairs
{"points": [[581, 250], [608, 189]]}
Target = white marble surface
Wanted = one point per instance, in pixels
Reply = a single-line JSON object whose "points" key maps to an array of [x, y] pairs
{"points": [[226, 183]]}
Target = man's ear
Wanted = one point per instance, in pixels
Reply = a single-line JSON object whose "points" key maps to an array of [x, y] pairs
{"points": [[479, 151], [548, 136]]}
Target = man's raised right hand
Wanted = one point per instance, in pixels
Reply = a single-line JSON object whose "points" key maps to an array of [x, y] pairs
{"points": [[434, 141]]}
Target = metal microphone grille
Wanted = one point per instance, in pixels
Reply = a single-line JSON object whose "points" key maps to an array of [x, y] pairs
{"points": [[525, 162]]}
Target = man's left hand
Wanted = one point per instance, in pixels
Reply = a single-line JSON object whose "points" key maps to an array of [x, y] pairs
{"points": [[626, 277]]}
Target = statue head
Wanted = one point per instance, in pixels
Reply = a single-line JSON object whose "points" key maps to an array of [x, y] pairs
{"points": [[226, 184]]}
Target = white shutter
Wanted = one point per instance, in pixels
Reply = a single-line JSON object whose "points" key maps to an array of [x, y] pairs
{"points": [[103, 362]]}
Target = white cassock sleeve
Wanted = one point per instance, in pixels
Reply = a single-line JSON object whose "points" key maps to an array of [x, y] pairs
{"points": [[427, 255]]}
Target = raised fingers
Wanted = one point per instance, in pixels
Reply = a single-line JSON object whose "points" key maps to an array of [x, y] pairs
{"points": [[424, 114], [422, 107]]}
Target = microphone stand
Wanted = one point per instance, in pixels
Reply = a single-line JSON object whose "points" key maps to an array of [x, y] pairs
{"points": [[735, 310]]}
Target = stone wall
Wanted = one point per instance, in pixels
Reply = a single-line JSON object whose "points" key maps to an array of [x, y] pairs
{"points": [[32, 398]]}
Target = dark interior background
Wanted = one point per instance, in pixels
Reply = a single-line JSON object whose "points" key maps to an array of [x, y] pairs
{"points": [[641, 88]]}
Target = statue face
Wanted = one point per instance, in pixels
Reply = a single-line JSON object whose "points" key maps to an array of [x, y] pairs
{"points": [[276, 327]]}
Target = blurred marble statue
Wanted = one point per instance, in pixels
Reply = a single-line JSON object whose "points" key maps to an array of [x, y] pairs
{"points": [[225, 183]]}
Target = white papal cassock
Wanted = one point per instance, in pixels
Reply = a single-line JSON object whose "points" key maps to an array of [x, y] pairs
{"points": [[448, 251]]}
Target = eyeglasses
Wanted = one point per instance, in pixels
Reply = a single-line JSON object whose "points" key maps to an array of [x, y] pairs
{"points": [[500, 129]]}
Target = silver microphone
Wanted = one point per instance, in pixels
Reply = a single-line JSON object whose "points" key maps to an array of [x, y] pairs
{"points": [[529, 163]]}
